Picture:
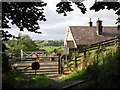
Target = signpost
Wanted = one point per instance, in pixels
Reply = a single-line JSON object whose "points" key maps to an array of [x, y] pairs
{"points": [[35, 66]]}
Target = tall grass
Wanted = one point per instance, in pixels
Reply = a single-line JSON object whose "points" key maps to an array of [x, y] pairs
{"points": [[102, 70]]}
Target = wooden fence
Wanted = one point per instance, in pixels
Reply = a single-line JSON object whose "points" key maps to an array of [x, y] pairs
{"points": [[106, 43], [61, 62], [46, 66]]}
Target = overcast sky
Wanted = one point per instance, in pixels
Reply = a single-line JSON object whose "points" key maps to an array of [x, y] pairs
{"points": [[56, 25]]}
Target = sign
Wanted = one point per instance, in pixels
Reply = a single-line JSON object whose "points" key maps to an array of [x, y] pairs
{"points": [[35, 65], [66, 50]]}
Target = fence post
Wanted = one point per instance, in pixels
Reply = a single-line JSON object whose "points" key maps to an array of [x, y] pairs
{"points": [[61, 65], [75, 63], [118, 41], [99, 46], [21, 51], [59, 68], [84, 52]]}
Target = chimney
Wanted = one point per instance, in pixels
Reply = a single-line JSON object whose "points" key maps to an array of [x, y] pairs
{"points": [[90, 23], [99, 27]]}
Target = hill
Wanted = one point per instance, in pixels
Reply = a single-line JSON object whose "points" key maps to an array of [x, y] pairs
{"points": [[51, 45], [56, 43]]}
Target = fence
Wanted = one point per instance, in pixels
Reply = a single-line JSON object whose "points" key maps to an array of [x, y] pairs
{"points": [[61, 62], [47, 66], [106, 43]]}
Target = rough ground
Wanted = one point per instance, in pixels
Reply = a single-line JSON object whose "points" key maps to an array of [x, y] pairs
{"points": [[56, 83], [59, 85]]}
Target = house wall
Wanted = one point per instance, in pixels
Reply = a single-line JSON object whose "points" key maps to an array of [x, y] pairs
{"points": [[69, 37]]}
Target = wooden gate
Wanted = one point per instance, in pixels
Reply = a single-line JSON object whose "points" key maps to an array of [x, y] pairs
{"points": [[47, 67]]}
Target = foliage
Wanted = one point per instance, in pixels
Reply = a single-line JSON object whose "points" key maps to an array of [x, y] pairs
{"points": [[26, 15], [103, 72], [51, 46], [12, 79], [108, 5], [24, 42], [5, 63], [42, 81], [64, 7], [50, 49], [23, 15], [6, 36], [41, 43]]}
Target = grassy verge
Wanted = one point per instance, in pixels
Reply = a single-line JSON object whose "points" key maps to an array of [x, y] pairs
{"points": [[16, 79], [101, 70], [42, 81], [12, 79]]}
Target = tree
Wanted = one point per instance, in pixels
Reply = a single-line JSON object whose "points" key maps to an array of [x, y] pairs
{"points": [[23, 15], [26, 15], [24, 42], [108, 5]]}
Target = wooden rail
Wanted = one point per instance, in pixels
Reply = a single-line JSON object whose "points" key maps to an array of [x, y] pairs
{"points": [[106, 43]]}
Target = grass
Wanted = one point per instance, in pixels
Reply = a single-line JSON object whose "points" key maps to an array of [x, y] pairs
{"points": [[42, 81], [102, 70], [50, 49], [14, 79]]}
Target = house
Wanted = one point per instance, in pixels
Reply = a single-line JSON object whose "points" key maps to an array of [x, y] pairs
{"points": [[78, 37]]}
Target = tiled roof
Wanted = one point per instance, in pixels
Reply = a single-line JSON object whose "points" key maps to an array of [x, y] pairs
{"points": [[87, 35]]}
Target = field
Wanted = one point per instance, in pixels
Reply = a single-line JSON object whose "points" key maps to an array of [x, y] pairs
{"points": [[51, 46]]}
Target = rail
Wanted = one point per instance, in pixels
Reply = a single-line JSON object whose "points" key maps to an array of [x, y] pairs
{"points": [[106, 43]]}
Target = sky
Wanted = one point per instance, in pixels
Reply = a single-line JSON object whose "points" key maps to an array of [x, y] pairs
{"points": [[56, 26]]}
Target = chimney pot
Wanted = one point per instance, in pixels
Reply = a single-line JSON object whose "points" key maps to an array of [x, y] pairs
{"points": [[90, 23], [99, 27]]}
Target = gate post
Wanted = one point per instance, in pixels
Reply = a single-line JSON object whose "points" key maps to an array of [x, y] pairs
{"points": [[21, 51], [74, 58], [59, 65], [75, 63], [84, 52]]}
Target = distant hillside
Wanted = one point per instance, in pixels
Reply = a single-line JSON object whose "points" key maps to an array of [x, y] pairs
{"points": [[56, 43]]}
